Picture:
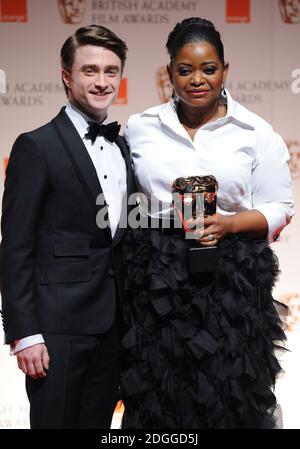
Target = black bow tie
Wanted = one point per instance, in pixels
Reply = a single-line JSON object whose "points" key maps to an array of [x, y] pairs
{"points": [[109, 131]]}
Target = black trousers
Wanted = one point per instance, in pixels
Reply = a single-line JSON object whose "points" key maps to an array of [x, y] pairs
{"points": [[82, 384]]}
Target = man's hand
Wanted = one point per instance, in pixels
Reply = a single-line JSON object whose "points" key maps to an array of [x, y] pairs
{"points": [[34, 360]]}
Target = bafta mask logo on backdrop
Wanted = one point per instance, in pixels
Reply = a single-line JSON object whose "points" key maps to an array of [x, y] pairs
{"points": [[72, 11], [290, 10], [163, 84], [292, 300], [294, 163]]}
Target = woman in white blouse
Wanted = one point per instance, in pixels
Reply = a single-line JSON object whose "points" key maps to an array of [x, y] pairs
{"points": [[199, 348]]}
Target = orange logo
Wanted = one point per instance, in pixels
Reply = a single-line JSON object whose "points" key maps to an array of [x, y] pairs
{"points": [[13, 10], [238, 11], [72, 11], [5, 162], [290, 10], [163, 84], [122, 95]]}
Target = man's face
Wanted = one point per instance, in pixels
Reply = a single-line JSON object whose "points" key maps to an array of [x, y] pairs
{"points": [[72, 10], [94, 80]]}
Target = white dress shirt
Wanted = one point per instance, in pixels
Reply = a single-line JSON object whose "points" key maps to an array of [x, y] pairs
{"points": [[249, 160], [111, 171], [108, 162]]}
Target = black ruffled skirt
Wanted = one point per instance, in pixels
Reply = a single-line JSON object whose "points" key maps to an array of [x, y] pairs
{"points": [[199, 349]]}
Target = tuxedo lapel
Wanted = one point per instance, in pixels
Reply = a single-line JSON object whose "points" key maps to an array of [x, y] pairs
{"points": [[128, 161], [120, 141], [78, 154], [81, 161], [84, 166]]}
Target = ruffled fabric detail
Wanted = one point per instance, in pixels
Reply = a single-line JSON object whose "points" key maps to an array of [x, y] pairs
{"points": [[199, 349]]}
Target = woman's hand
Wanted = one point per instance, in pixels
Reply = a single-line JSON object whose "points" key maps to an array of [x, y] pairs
{"points": [[215, 228]]}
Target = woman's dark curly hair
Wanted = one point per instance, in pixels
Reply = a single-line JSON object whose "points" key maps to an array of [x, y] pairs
{"points": [[194, 29]]}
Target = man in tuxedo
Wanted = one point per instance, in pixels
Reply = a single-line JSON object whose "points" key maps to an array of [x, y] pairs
{"points": [[60, 270]]}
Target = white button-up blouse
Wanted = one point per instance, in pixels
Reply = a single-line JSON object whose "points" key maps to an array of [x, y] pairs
{"points": [[242, 151]]}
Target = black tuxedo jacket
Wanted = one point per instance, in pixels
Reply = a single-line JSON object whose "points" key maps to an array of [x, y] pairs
{"points": [[59, 272]]}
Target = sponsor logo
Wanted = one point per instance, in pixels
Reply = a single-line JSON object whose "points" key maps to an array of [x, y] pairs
{"points": [[13, 10], [122, 95], [72, 11], [238, 11], [294, 163], [289, 10], [292, 300], [163, 84]]}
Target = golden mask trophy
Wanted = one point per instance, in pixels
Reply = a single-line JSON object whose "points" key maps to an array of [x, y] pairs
{"points": [[196, 197]]}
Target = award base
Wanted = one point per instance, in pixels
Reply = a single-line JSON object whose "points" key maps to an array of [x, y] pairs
{"points": [[202, 260]]}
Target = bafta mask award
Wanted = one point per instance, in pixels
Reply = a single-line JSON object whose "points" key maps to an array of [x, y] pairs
{"points": [[196, 197]]}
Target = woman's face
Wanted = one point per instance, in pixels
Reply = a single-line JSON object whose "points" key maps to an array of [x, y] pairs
{"points": [[197, 74]]}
